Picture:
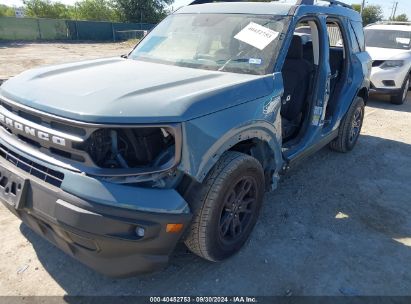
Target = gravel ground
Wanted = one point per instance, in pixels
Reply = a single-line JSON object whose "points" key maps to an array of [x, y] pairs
{"points": [[339, 224], [18, 57]]}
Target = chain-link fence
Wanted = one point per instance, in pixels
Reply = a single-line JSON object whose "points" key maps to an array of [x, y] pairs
{"points": [[54, 29]]}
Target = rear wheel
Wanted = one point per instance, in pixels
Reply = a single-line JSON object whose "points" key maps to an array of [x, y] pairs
{"points": [[400, 98], [229, 203], [350, 128]]}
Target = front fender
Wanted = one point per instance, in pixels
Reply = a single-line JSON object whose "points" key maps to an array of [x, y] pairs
{"points": [[207, 138]]}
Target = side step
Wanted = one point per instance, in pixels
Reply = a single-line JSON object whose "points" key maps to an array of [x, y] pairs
{"points": [[296, 158]]}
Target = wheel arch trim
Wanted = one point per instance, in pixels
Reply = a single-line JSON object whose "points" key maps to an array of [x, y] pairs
{"points": [[256, 130]]}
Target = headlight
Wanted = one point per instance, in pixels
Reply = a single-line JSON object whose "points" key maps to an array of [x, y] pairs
{"points": [[391, 64], [130, 148], [146, 148]]}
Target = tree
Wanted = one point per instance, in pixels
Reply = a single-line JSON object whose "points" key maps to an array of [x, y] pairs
{"points": [[99, 10], [6, 11], [47, 9], [146, 11], [400, 18], [370, 14], [357, 7]]}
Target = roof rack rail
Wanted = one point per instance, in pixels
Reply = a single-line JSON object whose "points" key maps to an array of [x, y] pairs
{"points": [[332, 2], [299, 2], [391, 23]]}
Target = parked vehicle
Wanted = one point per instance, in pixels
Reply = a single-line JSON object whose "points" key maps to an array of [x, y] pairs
{"points": [[116, 160], [389, 44]]}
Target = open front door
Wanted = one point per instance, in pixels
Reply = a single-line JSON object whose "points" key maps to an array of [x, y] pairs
{"points": [[308, 136]]}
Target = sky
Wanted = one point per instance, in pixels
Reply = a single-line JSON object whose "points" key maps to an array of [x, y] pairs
{"points": [[403, 5]]}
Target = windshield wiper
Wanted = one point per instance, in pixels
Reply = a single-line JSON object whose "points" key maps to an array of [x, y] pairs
{"points": [[232, 60]]}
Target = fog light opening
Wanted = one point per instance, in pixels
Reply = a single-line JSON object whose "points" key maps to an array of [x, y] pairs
{"points": [[140, 231], [389, 83]]}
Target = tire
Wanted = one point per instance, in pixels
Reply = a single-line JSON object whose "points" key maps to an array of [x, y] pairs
{"points": [[218, 203], [350, 128], [400, 98]]}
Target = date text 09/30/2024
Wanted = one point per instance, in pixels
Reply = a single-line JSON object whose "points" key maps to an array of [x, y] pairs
{"points": [[203, 300]]}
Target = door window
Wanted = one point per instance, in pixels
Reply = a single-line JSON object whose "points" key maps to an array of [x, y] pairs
{"points": [[356, 48]]}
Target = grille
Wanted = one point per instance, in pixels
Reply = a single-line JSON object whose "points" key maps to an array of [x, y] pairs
{"points": [[44, 121], [377, 63], [47, 175], [48, 146]]}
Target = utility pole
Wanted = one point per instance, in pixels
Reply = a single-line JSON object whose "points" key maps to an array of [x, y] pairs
{"points": [[394, 10], [362, 6]]}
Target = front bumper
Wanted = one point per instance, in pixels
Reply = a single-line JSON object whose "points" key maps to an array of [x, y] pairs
{"points": [[102, 236], [388, 81], [384, 91]]}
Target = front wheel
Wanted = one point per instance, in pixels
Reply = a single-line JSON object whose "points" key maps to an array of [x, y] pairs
{"points": [[228, 205], [401, 97], [350, 128]]}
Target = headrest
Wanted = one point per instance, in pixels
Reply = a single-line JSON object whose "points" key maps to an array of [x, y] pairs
{"points": [[296, 48]]}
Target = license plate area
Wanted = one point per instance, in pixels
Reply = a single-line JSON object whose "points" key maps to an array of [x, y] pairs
{"points": [[13, 188]]}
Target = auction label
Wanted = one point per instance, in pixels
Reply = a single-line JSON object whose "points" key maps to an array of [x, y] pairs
{"points": [[257, 35]]}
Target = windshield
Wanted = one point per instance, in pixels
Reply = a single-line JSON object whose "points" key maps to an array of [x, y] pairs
{"points": [[235, 43], [388, 39]]}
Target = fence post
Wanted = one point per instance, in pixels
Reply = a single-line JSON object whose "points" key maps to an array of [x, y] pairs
{"points": [[38, 27], [114, 34], [77, 34]]}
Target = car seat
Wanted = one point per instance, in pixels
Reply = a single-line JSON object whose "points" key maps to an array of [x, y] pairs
{"points": [[297, 73]]}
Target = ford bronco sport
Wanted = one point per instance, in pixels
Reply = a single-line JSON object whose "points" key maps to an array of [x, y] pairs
{"points": [[116, 160]]}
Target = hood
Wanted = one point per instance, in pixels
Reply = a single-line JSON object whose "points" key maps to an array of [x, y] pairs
{"points": [[118, 90], [388, 54]]}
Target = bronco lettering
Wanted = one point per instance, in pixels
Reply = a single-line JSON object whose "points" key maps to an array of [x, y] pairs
{"points": [[10, 123]]}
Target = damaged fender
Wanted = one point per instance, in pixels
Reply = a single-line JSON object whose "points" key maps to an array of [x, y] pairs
{"points": [[208, 137]]}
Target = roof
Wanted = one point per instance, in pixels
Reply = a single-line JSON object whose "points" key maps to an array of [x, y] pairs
{"points": [[268, 8], [392, 27]]}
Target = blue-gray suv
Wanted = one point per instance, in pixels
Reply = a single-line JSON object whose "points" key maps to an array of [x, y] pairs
{"points": [[116, 160]]}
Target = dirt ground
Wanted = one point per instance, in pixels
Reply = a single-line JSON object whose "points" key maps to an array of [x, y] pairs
{"points": [[18, 57], [339, 224]]}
